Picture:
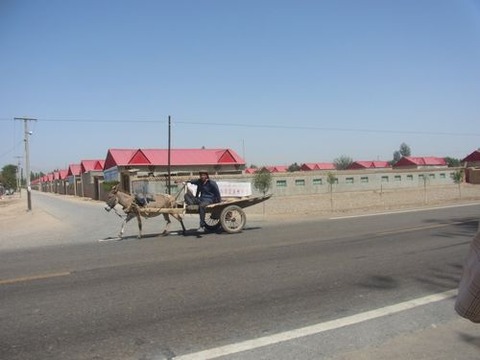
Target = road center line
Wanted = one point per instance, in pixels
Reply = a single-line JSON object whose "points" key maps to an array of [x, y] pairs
{"points": [[393, 212], [426, 227], [316, 329], [33, 277]]}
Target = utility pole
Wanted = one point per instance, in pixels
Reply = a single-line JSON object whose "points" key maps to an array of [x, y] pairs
{"points": [[169, 150], [27, 158]]}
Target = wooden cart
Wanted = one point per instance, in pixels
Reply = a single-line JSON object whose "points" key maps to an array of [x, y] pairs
{"points": [[228, 214]]}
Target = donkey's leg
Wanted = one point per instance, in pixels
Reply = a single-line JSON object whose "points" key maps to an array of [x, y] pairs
{"points": [[129, 217], [167, 225], [180, 220], [122, 229], [139, 219]]}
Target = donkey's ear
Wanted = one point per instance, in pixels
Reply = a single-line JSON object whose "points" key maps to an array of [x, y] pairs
{"points": [[114, 189]]}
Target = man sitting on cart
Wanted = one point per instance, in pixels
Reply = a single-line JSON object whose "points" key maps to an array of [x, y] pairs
{"points": [[207, 193]]}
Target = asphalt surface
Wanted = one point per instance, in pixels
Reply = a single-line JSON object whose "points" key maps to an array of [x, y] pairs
{"points": [[69, 292]]}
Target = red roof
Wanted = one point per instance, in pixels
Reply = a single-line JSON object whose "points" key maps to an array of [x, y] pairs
{"points": [[73, 170], [63, 174], [317, 166], [118, 157], [59, 175], [91, 165], [473, 157], [278, 168], [368, 165], [420, 161], [125, 157], [250, 170]]}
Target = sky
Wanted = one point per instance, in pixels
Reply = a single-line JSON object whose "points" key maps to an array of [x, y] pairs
{"points": [[277, 81]]}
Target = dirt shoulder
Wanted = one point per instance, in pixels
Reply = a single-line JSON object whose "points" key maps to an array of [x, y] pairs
{"points": [[15, 219]]}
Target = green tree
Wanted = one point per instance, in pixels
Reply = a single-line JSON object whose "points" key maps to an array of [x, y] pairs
{"points": [[331, 179], [452, 162], [404, 150], [262, 180], [342, 162], [9, 176], [457, 178], [108, 185], [293, 167], [424, 178]]}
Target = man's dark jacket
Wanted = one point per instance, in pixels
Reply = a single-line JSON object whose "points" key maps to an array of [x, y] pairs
{"points": [[208, 190]]}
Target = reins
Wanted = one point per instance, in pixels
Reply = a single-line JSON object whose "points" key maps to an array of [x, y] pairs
{"points": [[119, 215]]}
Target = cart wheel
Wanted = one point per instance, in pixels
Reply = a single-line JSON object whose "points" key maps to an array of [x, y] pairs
{"points": [[212, 222], [233, 219]]}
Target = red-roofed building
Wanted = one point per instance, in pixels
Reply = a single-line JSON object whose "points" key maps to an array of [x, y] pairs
{"points": [[74, 179], [73, 170], [271, 169], [317, 166], [52, 182], [91, 165], [58, 183], [277, 168], [62, 189], [121, 163], [118, 157], [63, 174], [187, 158], [361, 165], [472, 160], [48, 182], [472, 165], [91, 172], [411, 162]]}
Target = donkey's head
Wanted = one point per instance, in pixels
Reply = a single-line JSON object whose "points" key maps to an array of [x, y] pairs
{"points": [[112, 198]]}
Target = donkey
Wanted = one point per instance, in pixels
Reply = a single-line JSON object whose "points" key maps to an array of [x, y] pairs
{"points": [[133, 209]]}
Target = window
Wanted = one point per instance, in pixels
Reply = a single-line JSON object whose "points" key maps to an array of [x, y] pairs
{"points": [[443, 176], [410, 177], [364, 179], [300, 182], [349, 180], [431, 176], [397, 178], [335, 181], [317, 182], [384, 178], [421, 177], [281, 183]]}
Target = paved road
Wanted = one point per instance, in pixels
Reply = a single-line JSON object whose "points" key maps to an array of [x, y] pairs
{"points": [[65, 295]]}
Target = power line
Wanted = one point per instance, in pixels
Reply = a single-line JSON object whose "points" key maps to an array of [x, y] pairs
{"points": [[97, 120], [290, 127], [264, 126], [11, 150]]}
